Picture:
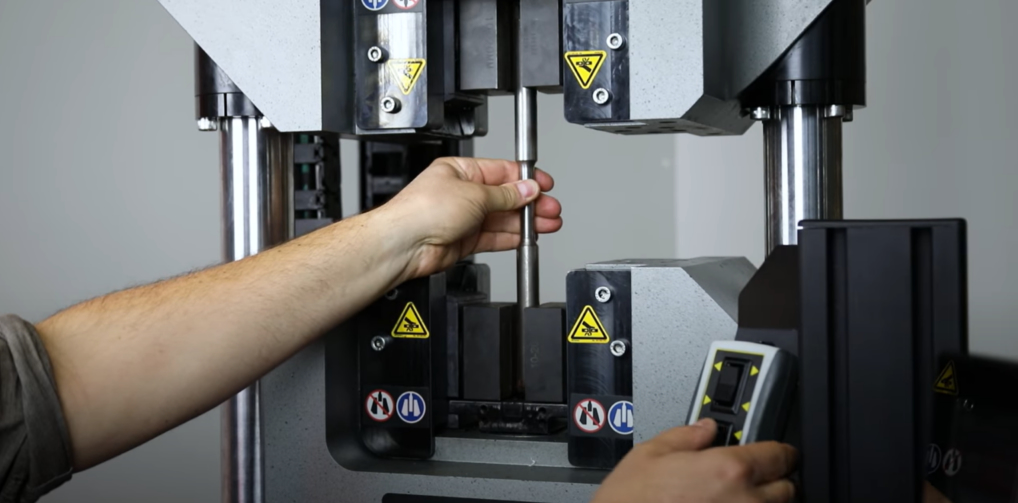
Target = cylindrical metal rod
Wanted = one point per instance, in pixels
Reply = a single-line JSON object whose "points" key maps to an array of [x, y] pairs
{"points": [[527, 283], [802, 155], [256, 167]]}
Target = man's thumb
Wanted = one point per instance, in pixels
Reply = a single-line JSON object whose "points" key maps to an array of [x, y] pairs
{"points": [[513, 196], [685, 438]]}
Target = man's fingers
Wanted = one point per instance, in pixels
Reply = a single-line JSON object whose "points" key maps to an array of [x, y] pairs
{"points": [[544, 180], [510, 222], [781, 491], [496, 172], [684, 438], [496, 242], [511, 196], [767, 461], [547, 208]]}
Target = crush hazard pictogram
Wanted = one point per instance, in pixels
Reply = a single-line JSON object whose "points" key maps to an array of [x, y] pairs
{"points": [[947, 381], [406, 72], [380, 405], [410, 325], [585, 65], [589, 415], [588, 329]]}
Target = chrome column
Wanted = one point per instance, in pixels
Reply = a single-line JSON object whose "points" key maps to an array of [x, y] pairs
{"points": [[527, 256], [257, 177], [802, 157]]}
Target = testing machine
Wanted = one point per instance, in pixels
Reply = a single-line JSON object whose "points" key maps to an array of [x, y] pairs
{"points": [[436, 393]]}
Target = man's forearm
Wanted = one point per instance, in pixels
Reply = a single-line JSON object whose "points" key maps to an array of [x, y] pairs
{"points": [[133, 364]]}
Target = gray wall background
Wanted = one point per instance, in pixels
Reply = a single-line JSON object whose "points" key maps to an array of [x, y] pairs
{"points": [[105, 183], [937, 140]]}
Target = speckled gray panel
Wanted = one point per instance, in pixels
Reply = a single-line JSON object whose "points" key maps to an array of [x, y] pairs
{"points": [[689, 60], [666, 57], [678, 310], [272, 50]]}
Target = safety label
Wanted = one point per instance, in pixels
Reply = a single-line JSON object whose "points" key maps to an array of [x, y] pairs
{"points": [[620, 417], [932, 458], [588, 329], [585, 65], [406, 4], [410, 325], [947, 381], [380, 406], [407, 72], [411, 407], [375, 4], [952, 462], [589, 415]]}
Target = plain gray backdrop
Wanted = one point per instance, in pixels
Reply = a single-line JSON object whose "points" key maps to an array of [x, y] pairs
{"points": [[105, 182]]}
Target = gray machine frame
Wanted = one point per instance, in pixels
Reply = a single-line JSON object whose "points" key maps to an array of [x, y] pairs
{"points": [[679, 308], [290, 60]]}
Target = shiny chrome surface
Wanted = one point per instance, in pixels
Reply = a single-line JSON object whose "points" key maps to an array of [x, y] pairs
{"points": [[527, 255], [802, 156], [257, 212]]}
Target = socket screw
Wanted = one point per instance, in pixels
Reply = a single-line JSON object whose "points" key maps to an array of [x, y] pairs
{"points": [[376, 54], [616, 41], [603, 294], [602, 96], [391, 105], [618, 348], [378, 343]]}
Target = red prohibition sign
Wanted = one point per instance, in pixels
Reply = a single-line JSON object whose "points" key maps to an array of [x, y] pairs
{"points": [[380, 406], [589, 415]]}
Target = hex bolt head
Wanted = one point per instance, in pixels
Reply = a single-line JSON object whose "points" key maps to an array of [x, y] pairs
{"points": [[760, 113], [208, 124], [391, 105], [602, 96], [618, 348], [832, 111], [616, 41], [603, 294], [378, 343], [376, 54]]}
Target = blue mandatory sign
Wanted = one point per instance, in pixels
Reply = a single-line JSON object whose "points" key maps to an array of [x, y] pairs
{"points": [[411, 407], [620, 417], [375, 4]]}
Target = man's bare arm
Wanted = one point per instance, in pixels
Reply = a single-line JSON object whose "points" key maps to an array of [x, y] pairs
{"points": [[134, 364]]}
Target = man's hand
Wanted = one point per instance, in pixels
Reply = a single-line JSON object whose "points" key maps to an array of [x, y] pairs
{"points": [[131, 365], [673, 468], [458, 207]]}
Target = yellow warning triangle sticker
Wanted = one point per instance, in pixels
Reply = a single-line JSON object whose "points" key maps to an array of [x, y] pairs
{"points": [[717, 366], [585, 65], [588, 329], [406, 72], [706, 399], [745, 406], [738, 435], [947, 381], [754, 371], [410, 325]]}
